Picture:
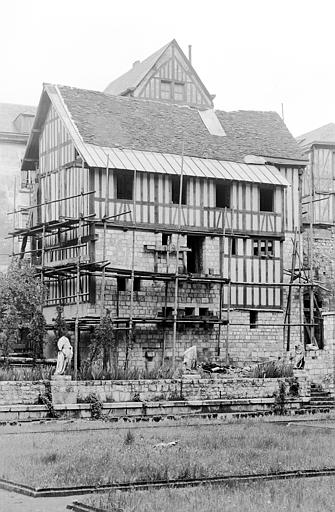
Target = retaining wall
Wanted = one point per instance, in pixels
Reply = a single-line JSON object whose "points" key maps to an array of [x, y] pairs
{"points": [[12, 393]]}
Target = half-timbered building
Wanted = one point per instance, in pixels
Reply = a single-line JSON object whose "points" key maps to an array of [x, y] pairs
{"points": [[176, 217], [318, 212]]}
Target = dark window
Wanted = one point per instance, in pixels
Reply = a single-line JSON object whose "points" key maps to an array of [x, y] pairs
{"points": [[166, 238], [124, 185], [189, 311], [194, 256], [253, 319], [203, 311], [233, 246], [137, 284], [263, 248], [121, 284], [266, 199], [175, 190], [222, 194]]}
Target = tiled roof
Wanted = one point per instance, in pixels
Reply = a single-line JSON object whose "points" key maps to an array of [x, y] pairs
{"points": [[123, 122], [133, 77], [8, 114], [325, 134]]}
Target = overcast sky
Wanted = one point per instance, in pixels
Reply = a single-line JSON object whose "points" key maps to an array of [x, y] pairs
{"points": [[252, 54]]}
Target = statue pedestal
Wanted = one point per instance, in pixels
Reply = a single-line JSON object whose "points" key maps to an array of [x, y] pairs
{"points": [[63, 391]]}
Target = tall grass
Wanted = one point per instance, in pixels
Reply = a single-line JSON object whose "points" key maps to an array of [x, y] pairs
{"points": [[317, 495], [273, 370], [93, 372], [99, 457], [15, 373]]}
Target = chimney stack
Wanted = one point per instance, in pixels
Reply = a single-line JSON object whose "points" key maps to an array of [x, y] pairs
{"points": [[190, 53]]}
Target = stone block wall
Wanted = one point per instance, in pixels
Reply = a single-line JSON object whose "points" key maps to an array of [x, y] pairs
{"points": [[20, 392], [320, 363], [12, 393]]}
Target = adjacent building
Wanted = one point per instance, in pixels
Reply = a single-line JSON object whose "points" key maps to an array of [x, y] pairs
{"points": [[15, 125]]}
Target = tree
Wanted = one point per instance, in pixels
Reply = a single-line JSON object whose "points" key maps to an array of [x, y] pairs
{"points": [[21, 297]]}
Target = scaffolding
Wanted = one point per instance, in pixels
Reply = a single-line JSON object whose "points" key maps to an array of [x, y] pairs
{"points": [[80, 266]]}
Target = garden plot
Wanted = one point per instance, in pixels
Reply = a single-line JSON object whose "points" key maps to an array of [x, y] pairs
{"points": [[317, 495], [101, 457]]}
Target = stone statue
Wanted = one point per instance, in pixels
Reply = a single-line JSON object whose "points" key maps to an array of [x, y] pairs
{"points": [[190, 358], [64, 357]]}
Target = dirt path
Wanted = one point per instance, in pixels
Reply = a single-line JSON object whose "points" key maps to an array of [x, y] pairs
{"points": [[13, 502]]}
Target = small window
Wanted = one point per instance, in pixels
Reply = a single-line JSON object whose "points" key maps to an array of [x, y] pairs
{"points": [[263, 248], [195, 255], [203, 311], [137, 284], [121, 284], [253, 319], [179, 92], [266, 199], [175, 190], [222, 194], [189, 311], [233, 246], [166, 90], [124, 185], [166, 238]]}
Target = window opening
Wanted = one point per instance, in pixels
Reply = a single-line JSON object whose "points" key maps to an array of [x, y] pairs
{"points": [[189, 311], [179, 92], [318, 321], [166, 90], [263, 248], [166, 238], [194, 256], [203, 311], [175, 190], [253, 319], [233, 246], [266, 199], [137, 284], [121, 284], [222, 194], [124, 185]]}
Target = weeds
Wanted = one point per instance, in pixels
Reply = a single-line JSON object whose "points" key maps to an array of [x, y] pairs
{"points": [[273, 370], [96, 406], [41, 372], [130, 438], [279, 406]]}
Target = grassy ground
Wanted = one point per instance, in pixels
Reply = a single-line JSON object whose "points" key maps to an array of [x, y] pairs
{"points": [[97, 457], [314, 495]]}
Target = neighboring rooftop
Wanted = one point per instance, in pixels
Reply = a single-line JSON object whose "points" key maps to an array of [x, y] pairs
{"points": [[131, 123], [324, 134], [10, 120]]}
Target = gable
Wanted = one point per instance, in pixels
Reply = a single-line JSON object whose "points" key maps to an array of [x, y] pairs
{"points": [[167, 76], [174, 80]]}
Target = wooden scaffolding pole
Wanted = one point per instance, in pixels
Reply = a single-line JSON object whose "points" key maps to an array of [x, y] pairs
{"points": [[129, 337], [80, 234], [104, 220], [176, 286]]}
